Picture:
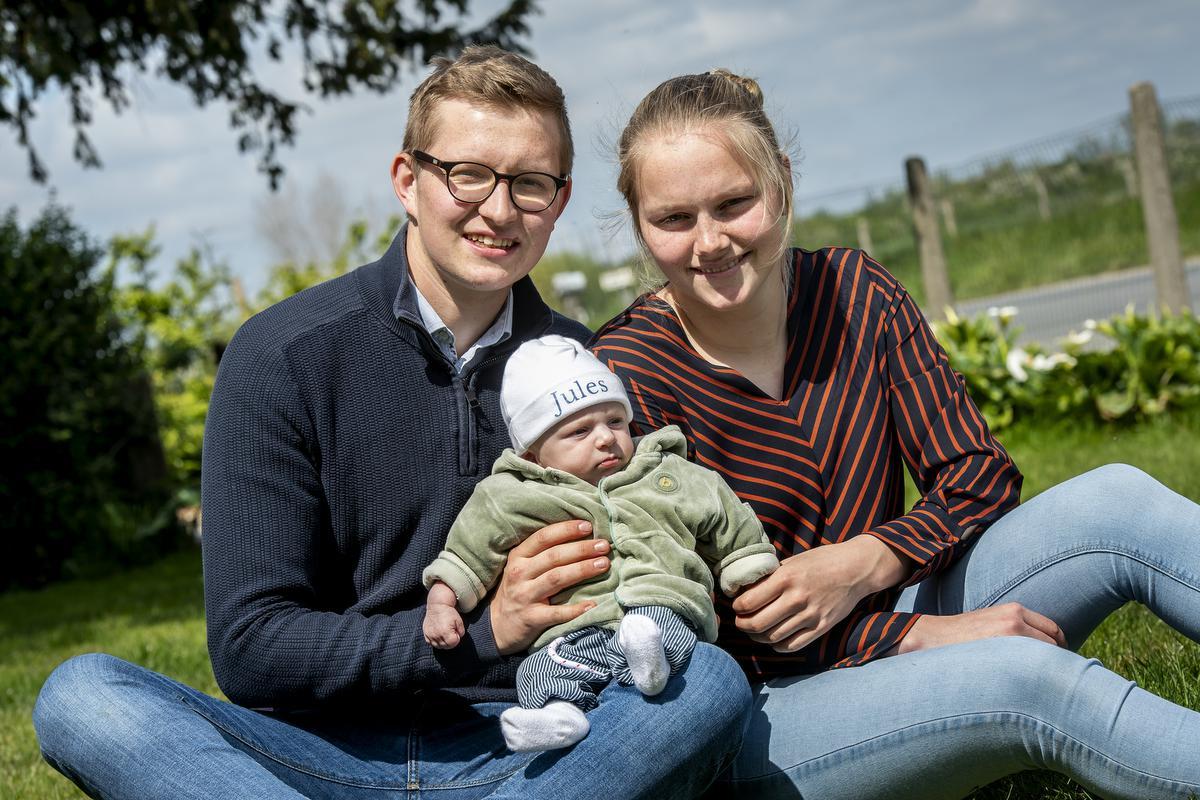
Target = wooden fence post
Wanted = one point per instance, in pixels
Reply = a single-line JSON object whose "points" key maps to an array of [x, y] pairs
{"points": [[1043, 196], [929, 241], [949, 218], [1158, 207], [1129, 175], [864, 235]]}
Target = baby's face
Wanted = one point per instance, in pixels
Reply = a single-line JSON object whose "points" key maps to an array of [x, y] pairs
{"points": [[589, 444]]}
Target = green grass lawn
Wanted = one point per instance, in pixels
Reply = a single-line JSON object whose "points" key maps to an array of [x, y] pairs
{"points": [[154, 615]]}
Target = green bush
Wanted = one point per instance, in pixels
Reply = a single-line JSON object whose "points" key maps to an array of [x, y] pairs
{"points": [[82, 479], [179, 325], [177, 328], [1151, 367]]}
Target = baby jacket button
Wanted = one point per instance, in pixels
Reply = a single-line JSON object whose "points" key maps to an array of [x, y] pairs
{"points": [[666, 483]]}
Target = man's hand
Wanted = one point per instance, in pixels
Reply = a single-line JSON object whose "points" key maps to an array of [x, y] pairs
{"points": [[538, 568], [1010, 619], [813, 591]]}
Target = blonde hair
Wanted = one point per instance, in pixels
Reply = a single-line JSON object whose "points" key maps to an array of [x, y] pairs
{"points": [[718, 101], [492, 77]]}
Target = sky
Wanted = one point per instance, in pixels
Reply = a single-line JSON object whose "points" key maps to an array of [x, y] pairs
{"points": [[854, 87]]}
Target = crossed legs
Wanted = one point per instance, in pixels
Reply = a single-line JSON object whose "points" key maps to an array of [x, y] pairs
{"points": [[940, 722]]}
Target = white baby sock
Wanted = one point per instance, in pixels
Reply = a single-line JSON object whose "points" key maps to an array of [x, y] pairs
{"points": [[641, 641], [557, 724]]}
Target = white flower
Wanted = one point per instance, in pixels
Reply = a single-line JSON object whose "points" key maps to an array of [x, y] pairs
{"points": [[1046, 363], [1015, 364], [1089, 324], [1063, 358], [1004, 313], [1082, 337]]}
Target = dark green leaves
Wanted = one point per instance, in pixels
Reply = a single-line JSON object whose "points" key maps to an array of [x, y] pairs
{"points": [[215, 49]]}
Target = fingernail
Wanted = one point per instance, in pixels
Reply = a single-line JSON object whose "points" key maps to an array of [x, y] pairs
{"points": [[585, 527], [600, 563], [600, 546]]}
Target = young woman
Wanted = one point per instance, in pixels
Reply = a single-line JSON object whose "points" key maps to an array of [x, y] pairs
{"points": [[893, 654]]}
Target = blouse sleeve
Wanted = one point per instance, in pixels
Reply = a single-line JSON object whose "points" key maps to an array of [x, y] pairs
{"points": [[965, 478]]}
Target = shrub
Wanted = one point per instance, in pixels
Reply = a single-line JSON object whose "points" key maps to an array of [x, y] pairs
{"points": [[81, 471], [1150, 366], [177, 328]]}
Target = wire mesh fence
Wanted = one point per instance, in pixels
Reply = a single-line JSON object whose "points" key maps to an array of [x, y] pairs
{"points": [[1050, 210]]}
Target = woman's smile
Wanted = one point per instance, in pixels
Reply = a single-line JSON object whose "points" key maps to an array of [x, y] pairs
{"points": [[724, 266]]}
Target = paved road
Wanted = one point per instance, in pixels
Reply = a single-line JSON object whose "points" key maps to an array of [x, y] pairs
{"points": [[1048, 313]]}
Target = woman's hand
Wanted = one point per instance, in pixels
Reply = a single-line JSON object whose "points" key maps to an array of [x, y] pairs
{"points": [[537, 569], [813, 591], [1010, 619]]}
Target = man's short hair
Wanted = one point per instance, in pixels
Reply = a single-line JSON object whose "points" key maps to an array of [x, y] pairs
{"points": [[489, 76]]}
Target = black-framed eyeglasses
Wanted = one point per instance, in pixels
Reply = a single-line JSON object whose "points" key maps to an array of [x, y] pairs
{"points": [[473, 183]]}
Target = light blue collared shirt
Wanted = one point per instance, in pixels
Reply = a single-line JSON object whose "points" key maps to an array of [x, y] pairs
{"points": [[500, 330]]}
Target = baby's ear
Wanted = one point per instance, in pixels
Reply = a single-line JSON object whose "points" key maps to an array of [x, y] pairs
{"points": [[528, 455]]}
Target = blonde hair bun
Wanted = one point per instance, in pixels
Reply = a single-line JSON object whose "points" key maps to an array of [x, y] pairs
{"points": [[749, 85]]}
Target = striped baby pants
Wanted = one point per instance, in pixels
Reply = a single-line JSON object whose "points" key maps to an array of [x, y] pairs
{"points": [[575, 667]]}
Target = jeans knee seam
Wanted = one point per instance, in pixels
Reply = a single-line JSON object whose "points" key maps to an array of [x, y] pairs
{"points": [[1019, 716], [1162, 569], [276, 758], [401, 785]]}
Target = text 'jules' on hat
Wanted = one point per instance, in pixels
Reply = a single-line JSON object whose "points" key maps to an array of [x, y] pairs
{"points": [[548, 379]]}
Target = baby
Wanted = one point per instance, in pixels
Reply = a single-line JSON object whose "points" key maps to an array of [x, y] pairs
{"points": [[672, 525]]}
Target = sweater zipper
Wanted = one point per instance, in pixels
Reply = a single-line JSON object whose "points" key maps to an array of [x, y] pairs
{"points": [[465, 400], [468, 404], [468, 446]]}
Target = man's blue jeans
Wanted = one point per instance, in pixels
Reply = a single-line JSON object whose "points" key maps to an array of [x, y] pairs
{"points": [[121, 731], [938, 723]]}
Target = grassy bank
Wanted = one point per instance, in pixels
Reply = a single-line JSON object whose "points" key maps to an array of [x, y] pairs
{"points": [[154, 616]]}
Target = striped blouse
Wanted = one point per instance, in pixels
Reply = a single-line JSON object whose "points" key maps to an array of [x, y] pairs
{"points": [[867, 388]]}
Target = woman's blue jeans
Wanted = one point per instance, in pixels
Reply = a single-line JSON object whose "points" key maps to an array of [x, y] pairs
{"points": [[121, 731], [940, 722]]}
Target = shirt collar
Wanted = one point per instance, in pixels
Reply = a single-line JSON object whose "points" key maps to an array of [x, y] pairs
{"points": [[500, 329]]}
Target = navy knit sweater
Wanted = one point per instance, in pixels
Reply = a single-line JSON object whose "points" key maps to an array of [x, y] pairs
{"points": [[339, 448]]}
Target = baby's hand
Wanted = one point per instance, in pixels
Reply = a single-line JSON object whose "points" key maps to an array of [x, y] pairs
{"points": [[443, 626]]}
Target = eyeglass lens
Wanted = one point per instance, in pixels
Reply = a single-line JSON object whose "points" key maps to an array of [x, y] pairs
{"points": [[530, 191]]}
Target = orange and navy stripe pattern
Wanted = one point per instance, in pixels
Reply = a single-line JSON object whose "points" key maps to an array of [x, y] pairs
{"points": [[868, 390]]}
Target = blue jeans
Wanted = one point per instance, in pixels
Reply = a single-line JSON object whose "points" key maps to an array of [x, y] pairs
{"points": [[121, 731], [940, 722]]}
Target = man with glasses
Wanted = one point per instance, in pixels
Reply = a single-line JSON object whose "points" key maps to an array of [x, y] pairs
{"points": [[348, 426]]}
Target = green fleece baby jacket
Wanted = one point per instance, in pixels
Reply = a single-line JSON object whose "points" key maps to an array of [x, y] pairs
{"points": [[672, 525]]}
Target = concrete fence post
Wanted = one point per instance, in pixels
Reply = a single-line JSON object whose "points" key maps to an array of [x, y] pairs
{"points": [[929, 241], [1158, 206]]}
